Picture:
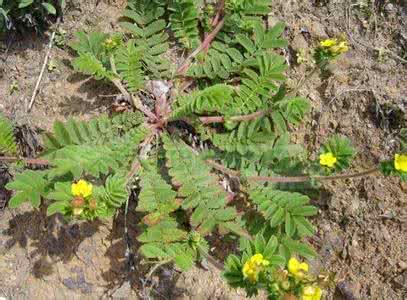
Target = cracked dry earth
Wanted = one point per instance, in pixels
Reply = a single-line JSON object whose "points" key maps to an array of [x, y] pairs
{"points": [[362, 232]]}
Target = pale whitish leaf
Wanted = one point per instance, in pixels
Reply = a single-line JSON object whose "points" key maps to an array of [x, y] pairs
{"points": [[49, 7], [25, 3], [4, 13]]}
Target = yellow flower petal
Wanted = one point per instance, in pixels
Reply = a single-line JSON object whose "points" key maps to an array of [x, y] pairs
{"points": [[75, 189], [308, 291], [254, 266], [343, 47], [311, 293], [304, 266], [293, 265], [400, 162], [296, 268], [327, 159], [328, 43], [81, 189], [318, 294]]}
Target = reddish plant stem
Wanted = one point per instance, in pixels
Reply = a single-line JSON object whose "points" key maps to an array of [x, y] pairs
{"points": [[138, 105], [293, 179], [31, 161], [205, 44], [221, 7], [37, 161], [216, 19], [347, 176], [221, 168]]}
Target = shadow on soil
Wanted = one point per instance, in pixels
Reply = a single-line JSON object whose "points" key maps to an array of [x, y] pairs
{"points": [[90, 96], [126, 267], [52, 240], [17, 43]]}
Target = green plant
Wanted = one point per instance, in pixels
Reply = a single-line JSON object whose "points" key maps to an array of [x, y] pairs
{"points": [[233, 99], [7, 142], [14, 87], [60, 38], [52, 65], [260, 265], [20, 14]]}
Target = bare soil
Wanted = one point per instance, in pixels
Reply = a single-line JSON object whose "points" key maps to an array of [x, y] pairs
{"points": [[362, 232]]}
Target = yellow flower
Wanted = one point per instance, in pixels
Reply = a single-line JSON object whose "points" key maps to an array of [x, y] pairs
{"points": [[327, 159], [311, 293], [81, 189], [400, 162], [328, 43], [335, 46], [110, 43], [342, 47], [253, 266], [296, 268]]}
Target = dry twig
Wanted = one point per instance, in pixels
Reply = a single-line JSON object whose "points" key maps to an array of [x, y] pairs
{"points": [[37, 85]]}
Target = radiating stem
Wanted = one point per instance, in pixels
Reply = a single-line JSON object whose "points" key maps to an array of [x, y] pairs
{"points": [[290, 179]]}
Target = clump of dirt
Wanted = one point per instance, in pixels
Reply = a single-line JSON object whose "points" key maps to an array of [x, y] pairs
{"points": [[361, 229]]}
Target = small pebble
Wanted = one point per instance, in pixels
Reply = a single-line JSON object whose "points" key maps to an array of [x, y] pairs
{"points": [[402, 265], [389, 7]]}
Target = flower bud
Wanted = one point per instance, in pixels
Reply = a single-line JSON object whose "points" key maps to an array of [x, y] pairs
{"points": [[77, 211], [285, 285], [92, 204], [275, 287], [78, 202]]}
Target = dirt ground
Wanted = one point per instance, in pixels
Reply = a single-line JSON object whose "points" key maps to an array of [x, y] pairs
{"points": [[362, 232]]}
